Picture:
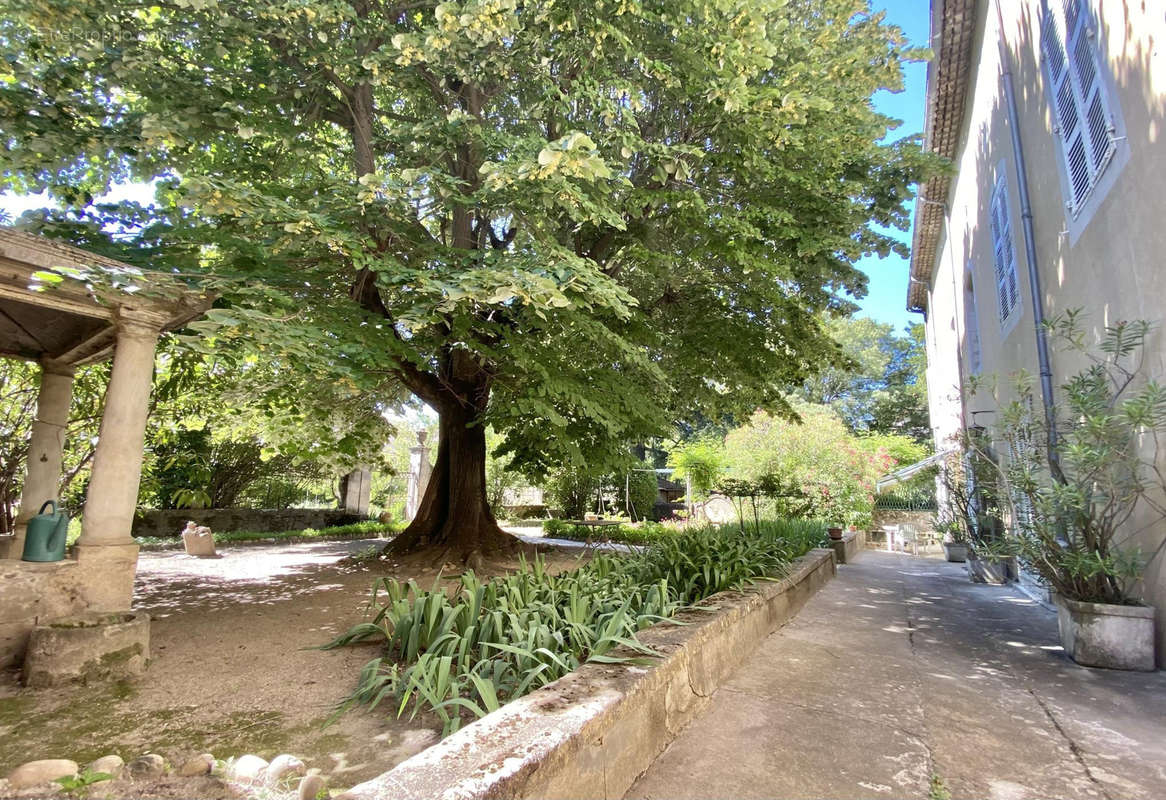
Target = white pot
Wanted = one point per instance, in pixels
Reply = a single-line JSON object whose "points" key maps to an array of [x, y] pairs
{"points": [[955, 551], [1104, 635], [981, 570]]}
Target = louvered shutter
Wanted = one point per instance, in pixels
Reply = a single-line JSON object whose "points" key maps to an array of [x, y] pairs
{"points": [[1083, 117], [972, 328], [1003, 252]]}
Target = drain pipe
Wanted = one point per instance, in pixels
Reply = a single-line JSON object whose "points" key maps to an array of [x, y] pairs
{"points": [[1038, 308]]}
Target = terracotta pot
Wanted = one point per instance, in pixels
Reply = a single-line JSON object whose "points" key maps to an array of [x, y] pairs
{"points": [[835, 533]]}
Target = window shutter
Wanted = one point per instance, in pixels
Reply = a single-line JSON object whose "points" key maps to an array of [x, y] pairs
{"points": [[1084, 120], [1003, 252], [972, 327]]}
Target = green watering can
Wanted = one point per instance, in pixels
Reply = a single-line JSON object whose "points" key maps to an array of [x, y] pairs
{"points": [[45, 538]]}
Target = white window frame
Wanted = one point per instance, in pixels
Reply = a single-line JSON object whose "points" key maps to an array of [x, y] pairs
{"points": [[1005, 272], [1086, 120]]}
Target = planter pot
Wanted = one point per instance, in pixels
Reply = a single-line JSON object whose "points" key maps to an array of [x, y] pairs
{"points": [[984, 571], [955, 551], [1104, 635], [835, 533]]}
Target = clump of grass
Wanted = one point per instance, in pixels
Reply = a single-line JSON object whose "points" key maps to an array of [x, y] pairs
{"points": [[463, 653]]}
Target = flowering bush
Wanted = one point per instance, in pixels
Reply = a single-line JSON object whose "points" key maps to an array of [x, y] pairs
{"points": [[835, 470]]}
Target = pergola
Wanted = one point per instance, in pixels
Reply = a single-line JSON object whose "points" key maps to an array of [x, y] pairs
{"points": [[61, 327]]}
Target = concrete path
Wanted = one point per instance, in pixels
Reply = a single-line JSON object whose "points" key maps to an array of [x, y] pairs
{"points": [[903, 679]]}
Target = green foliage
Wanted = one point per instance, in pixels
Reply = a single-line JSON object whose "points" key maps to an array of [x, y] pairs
{"points": [[18, 391], [972, 512], [500, 476], [700, 461], [82, 780], [834, 470], [355, 530], [640, 491], [1071, 516], [785, 497], [876, 379], [466, 650], [462, 198], [575, 491]]}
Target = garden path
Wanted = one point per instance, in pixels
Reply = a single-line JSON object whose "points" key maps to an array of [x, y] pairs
{"points": [[900, 678]]}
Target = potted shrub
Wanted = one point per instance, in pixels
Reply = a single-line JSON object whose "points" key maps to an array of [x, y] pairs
{"points": [[971, 514], [1074, 507], [991, 561], [955, 543]]}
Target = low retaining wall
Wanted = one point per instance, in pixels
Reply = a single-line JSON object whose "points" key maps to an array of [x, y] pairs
{"points": [[170, 522], [590, 734], [849, 546]]}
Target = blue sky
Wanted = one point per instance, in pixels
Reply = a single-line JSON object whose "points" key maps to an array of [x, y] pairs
{"points": [[887, 300]]}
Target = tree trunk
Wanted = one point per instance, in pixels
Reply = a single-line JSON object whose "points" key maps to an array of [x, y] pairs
{"points": [[454, 515]]}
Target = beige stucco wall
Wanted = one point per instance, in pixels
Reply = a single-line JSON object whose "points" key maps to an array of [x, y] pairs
{"points": [[1108, 262]]}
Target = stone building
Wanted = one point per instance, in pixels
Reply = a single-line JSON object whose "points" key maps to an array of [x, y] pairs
{"points": [[63, 327], [1053, 113]]}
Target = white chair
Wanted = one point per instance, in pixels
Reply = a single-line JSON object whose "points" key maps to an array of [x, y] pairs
{"points": [[909, 536]]}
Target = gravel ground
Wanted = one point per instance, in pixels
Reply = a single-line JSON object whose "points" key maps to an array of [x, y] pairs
{"points": [[233, 668]]}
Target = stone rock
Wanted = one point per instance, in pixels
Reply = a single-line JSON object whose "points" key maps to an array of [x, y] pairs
{"points": [[151, 765], [311, 786], [202, 764], [111, 765], [247, 768], [46, 770], [198, 540], [284, 766], [42, 790]]}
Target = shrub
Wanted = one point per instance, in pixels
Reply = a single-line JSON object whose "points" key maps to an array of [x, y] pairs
{"points": [[639, 492], [574, 490], [466, 651], [1069, 514], [700, 462], [835, 470]]}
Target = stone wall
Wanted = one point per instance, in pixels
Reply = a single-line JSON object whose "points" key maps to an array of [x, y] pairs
{"points": [[31, 593], [920, 519], [170, 522], [591, 733]]}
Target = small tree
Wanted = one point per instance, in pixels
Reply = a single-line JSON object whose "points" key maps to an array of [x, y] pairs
{"points": [[700, 462], [1072, 521], [970, 478], [639, 491]]}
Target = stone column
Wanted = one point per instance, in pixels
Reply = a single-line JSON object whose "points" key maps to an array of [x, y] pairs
{"points": [[107, 553], [356, 491], [419, 470], [42, 478]]}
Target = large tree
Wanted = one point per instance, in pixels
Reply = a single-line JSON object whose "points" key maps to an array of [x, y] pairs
{"points": [[877, 383], [579, 221]]}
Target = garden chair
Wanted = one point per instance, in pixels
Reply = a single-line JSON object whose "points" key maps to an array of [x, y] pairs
{"points": [[909, 537]]}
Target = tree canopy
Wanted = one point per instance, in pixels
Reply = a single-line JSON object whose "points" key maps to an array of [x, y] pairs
{"points": [[579, 222], [877, 382]]}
